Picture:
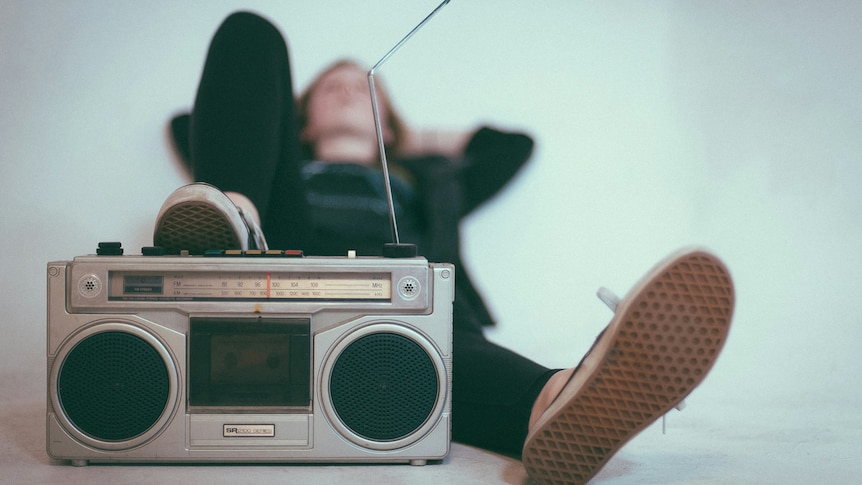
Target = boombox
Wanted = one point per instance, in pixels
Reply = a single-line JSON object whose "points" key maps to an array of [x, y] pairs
{"points": [[249, 357]]}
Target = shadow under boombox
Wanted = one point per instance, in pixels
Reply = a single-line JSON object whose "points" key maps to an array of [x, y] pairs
{"points": [[249, 359]]}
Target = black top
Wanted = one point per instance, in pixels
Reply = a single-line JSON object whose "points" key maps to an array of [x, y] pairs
{"points": [[347, 207]]}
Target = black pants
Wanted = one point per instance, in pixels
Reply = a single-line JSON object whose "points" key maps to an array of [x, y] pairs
{"points": [[245, 138]]}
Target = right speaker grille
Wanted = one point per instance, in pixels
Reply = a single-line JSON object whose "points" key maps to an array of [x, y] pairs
{"points": [[383, 386]]}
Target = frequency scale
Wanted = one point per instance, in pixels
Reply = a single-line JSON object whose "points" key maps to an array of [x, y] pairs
{"points": [[266, 285]]}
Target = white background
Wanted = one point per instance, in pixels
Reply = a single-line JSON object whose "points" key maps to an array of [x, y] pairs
{"points": [[733, 125]]}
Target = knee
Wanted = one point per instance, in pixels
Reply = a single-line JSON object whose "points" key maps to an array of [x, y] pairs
{"points": [[246, 20], [246, 26]]}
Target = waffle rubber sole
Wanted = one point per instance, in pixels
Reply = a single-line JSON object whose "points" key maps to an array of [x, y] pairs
{"points": [[198, 217], [664, 338], [195, 227]]}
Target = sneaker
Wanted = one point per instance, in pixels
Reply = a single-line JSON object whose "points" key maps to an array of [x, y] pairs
{"points": [[665, 336], [198, 217]]}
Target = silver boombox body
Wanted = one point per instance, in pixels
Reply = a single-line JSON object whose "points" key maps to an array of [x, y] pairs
{"points": [[249, 359]]}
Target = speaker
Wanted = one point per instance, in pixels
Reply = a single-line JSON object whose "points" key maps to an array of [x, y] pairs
{"points": [[114, 386], [384, 385]]}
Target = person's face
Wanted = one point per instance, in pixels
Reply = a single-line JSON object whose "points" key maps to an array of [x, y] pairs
{"points": [[340, 104]]}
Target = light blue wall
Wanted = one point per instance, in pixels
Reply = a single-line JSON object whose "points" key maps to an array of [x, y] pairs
{"points": [[658, 125]]}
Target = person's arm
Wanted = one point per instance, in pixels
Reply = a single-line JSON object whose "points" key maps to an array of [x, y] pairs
{"points": [[447, 143], [486, 158], [491, 160]]}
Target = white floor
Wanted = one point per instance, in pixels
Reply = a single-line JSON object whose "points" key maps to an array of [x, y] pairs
{"points": [[716, 440], [658, 125]]}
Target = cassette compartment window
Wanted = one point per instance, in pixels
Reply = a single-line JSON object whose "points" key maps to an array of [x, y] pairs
{"points": [[249, 362]]}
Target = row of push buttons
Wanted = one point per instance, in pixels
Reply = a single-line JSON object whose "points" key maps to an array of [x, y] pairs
{"points": [[276, 253], [116, 249]]}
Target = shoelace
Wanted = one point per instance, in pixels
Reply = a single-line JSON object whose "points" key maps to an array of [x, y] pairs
{"points": [[256, 239], [610, 299]]}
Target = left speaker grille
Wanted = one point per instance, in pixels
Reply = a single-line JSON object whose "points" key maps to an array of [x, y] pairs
{"points": [[113, 386]]}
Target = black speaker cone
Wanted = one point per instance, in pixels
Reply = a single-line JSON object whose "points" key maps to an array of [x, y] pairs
{"points": [[113, 386], [383, 386]]}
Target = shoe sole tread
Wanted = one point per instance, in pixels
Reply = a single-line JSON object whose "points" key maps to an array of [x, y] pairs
{"points": [[664, 338]]}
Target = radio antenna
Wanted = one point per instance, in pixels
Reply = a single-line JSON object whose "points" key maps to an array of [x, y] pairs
{"points": [[395, 249]]}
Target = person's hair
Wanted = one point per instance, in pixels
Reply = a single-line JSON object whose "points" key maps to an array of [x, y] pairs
{"points": [[392, 120]]}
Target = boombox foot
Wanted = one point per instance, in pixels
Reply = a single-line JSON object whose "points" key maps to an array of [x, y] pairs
{"points": [[79, 462], [418, 462]]}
